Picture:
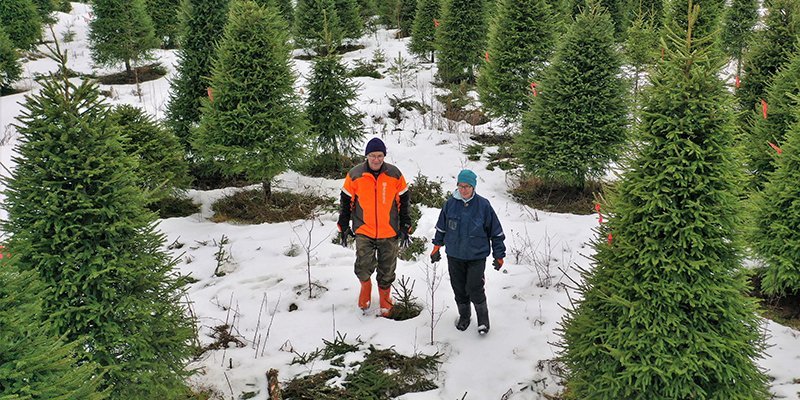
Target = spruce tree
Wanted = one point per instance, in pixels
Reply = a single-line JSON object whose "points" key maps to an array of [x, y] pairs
{"points": [[768, 52], [367, 8], [708, 21], [20, 19], [460, 40], [161, 169], [389, 11], [782, 116], [350, 21], [254, 125], [34, 363], [287, 10], [335, 124], [776, 241], [640, 48], [76, 218], [310, 19], [10, 69], [202, 22], [520, 43], [664, 313], [423, 32], [166, 24], [738, 22], [577, 123], [121, 32], [406, 15]]}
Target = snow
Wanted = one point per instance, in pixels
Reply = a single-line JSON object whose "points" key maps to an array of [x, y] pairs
{"points": [[268, 265]]}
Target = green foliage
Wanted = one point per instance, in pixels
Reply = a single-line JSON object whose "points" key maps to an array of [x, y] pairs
{"points": [[285, 8], [426, 192], [423, 31], [202, 22], [365, 68], [770, 49], [640, 48], [708, 20], [170, 207], [776, 240], [46, 9], [331, 166], [64, 6], [406, 305], [389, 11], [161, 169], [738, 23], [76, 217], [310, 30], [10, 68], [335, 122], [406, 15], [577, 123], [21, 21], [350, 21], [254, 126], [521, 40], [34, 363], [782, 116], [121, 32], [666, 301], [417, 247], [460, 40], [166, 20]]}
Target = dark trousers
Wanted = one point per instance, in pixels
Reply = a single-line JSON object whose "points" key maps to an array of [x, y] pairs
{"points": [[466, 277], [376, 254]]}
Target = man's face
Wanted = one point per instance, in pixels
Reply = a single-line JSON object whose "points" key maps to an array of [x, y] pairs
{"points": [[375, 160]]}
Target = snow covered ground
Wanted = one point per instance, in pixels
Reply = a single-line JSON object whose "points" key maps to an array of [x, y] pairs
{"points": [[265, 272]]}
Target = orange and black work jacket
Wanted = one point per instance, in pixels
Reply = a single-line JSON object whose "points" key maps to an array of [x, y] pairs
{"points": [[377, 201]]}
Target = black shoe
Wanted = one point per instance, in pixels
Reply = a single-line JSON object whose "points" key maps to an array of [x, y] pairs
{"points": [[482, 311], [464, 314]]}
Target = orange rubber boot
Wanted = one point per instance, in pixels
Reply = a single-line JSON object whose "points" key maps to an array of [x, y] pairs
{"points": [[365, 296], [386, 300]]}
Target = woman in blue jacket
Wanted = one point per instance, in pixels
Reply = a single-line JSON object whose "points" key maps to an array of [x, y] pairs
{"points": [[469, 230]]}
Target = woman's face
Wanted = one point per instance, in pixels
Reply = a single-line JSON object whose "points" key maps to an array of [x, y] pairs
{"points": [[465, 190]]}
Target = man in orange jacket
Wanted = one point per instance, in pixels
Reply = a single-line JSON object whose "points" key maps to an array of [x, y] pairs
{"points": [[375, 196]]}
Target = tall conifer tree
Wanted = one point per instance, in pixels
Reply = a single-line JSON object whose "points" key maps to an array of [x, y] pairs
{"points": [[310, 29], [423, 32], [521, 40], [202, 22], [254, 125], [769, 51], [577, 123], [121, 32], [738, 23], [776, 240], [166, 21], [407, 14], [461, 40], [76, 217], [664, 312], [350, 21]]}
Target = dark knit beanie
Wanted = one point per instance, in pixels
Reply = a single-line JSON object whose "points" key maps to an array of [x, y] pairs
{"points": [[375, 145]]}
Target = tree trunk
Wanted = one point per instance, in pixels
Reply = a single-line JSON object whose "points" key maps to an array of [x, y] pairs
{"points": [[273, 390], [128, 69], [267, 185]]}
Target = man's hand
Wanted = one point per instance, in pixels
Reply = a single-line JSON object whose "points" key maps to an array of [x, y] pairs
{"points": [[498, 263], [405, 236], [343, 234], [435, 255]]}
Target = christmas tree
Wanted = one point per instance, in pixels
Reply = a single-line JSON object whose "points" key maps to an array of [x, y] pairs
{"points": [[76, 217], [166, 21], [121, 32], [460, 40], [423, 31], [254, 125], [738, 22], [577, 123], [664, 312], [202, 22], [21, 21], [10, 69], [521, 40]]}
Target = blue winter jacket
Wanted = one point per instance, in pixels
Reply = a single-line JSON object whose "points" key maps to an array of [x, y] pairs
{"points": [[466, 229]]}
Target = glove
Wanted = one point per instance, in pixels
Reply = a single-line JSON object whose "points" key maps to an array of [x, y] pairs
{"points": [[435, 255], [343, 234], [405, 236], [498, 263]]}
